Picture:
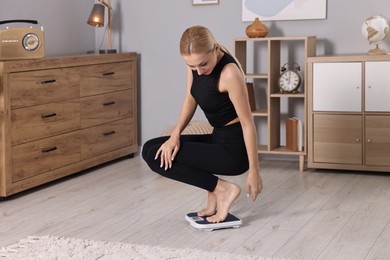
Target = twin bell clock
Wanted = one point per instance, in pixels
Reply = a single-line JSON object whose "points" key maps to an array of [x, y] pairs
{"points": [[21, 39], [290, 78]]}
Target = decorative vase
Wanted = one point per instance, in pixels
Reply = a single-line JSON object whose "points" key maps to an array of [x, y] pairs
{"points": [[256, 29]]}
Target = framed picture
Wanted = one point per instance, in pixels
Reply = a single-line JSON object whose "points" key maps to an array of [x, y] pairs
{"points": [[267, 10], [205, 2]]}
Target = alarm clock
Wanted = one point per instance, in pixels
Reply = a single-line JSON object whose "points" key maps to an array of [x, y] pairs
{"points": [[290, 78]]}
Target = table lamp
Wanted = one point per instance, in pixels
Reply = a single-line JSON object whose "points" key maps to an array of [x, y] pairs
{"points": [[96, 18]]}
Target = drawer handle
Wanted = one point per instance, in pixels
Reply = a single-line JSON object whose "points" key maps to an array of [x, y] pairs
{"points": [[109, 103], [48, 81], [108, 74], [48, 115], [49, 149], [109, 133]]}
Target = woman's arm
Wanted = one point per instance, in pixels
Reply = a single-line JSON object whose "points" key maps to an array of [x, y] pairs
{"points": [[169, 149], [188, 108], [232, 81]]}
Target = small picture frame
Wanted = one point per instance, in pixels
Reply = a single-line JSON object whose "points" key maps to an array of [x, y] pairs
{"points": [[205, 2]]}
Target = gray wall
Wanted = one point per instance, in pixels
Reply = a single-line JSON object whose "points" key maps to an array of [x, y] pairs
{"points": [[153, 29], [64, 22]]}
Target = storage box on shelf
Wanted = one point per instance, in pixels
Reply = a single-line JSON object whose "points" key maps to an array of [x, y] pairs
{"points": [[61, 115], [274, 52], [349, 112]]}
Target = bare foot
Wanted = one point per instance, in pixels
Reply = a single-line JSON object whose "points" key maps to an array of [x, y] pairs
{"points": [[211, 206], [225, 193]]}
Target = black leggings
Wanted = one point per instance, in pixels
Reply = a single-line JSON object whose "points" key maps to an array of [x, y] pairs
{"points": [[201, 156]]}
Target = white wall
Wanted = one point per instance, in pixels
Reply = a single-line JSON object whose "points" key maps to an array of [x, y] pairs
{"points": [[153, 28]]}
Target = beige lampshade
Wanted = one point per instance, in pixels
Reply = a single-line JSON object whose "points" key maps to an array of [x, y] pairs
{"points": [[96, 18]]}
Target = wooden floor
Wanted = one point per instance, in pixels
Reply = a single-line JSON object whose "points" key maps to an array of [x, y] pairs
{"points": [[309, 215]]}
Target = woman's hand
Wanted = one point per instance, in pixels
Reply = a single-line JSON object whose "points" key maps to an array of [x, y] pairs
{"points": [[167, 152], [254, 184]]}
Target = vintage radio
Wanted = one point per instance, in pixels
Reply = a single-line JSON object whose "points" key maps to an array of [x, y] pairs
{"points": [[21, 39]]}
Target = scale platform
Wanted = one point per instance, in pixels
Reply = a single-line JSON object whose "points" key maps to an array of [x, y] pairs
{"points": [[201, 223]]}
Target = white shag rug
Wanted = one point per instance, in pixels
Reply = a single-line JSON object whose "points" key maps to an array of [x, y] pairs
{"points": [[52, 247]]}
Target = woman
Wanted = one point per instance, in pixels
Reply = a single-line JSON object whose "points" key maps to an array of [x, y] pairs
{"points": [[215, 83]]}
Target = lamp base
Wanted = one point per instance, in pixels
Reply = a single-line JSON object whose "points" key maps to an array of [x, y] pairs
{"points": [[108, 51]]}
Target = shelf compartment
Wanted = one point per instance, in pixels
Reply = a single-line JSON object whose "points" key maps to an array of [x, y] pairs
{"points": [[289, 95], [256, 76], [260, 112], [284, 150], [262, 149]]}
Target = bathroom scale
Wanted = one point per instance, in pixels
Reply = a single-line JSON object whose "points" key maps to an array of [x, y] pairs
{"points": [[201, 223]]}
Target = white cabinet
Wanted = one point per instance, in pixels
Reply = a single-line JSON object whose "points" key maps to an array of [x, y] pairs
{"points": [[377, 86], [338, 86], [335, 91], [349, 112]]}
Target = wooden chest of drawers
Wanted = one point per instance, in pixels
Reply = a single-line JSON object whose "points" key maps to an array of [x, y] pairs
{"points": [[61, 115]]}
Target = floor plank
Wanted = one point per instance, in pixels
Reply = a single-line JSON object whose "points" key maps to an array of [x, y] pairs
{"points": [[363, 228], [320, 230], [310, 215]]}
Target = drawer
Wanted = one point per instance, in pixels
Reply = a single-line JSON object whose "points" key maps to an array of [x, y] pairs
{"points": [[108, 137], [105, 78], [105, 108], [37, 122], [43, 86], [34, 158]]}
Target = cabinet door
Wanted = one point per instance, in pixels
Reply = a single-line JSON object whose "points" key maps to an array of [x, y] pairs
{"points": [[378, 140], [377, 86], [337, 86], [337, 139]]}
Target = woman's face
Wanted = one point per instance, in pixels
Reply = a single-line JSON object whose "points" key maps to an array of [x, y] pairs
{"points": [[202, 63]]}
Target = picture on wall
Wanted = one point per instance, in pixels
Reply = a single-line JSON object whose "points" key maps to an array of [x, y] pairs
{"points": [[205, 2], [276, 10]]}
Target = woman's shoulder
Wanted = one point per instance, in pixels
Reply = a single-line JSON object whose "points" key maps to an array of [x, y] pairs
{"points": [[231, 71], [231, 76]]}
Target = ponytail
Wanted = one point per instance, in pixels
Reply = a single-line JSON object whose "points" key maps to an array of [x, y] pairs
{"points": [[224, 49]]}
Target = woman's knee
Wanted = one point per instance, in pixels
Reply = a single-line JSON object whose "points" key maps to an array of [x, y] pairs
{"points": [[145, 149]]}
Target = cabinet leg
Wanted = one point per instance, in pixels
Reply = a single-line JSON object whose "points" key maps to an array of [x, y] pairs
{"points": [[301, 163]]}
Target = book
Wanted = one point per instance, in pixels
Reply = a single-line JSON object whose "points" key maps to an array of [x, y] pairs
{"points": [[294, 134], [291, 134], [299, 134]]}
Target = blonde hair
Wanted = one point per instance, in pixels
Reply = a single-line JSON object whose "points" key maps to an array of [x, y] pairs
{"points": [[198, 39]]}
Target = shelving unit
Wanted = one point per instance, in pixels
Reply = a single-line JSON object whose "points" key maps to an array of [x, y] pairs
{"points": [[262, 67]]}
